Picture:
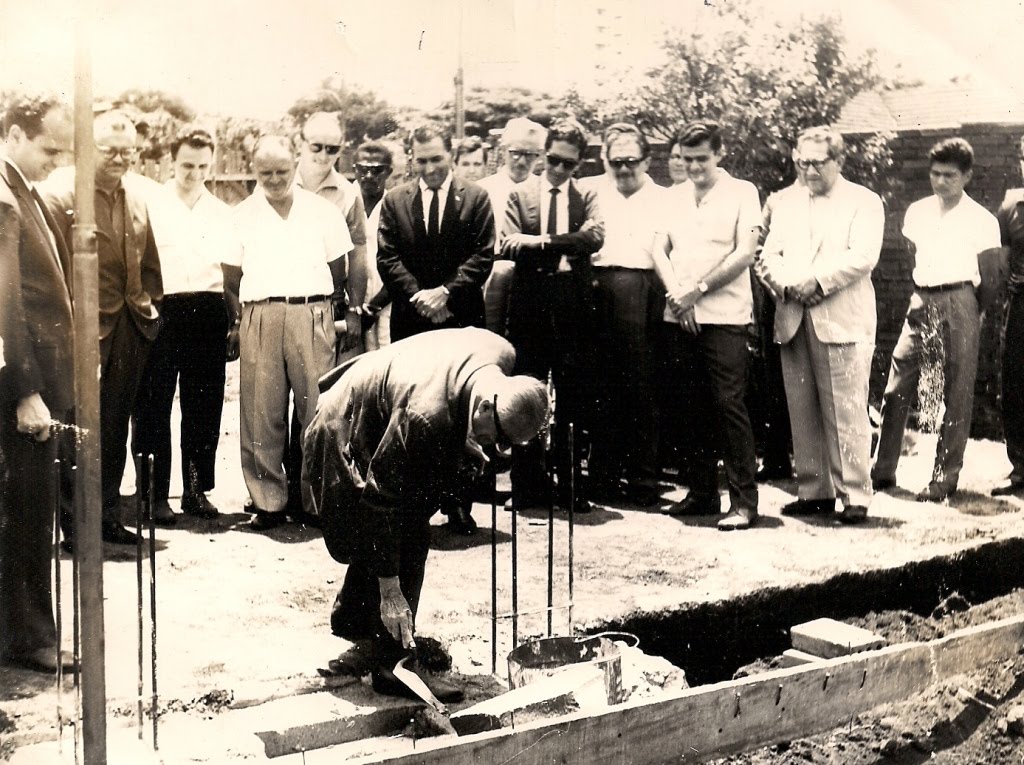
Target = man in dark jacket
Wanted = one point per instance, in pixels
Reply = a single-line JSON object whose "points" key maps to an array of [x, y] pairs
{"points": [[395, 432]]}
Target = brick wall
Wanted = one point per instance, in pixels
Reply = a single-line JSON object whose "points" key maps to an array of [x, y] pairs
{"points": [[996, 169]]}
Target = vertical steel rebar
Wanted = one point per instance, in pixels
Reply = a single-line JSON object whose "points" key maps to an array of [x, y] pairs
{"points": [[515, 573], [551, 555], [572, 513], [152, 600], [138, 586], [494, 571], [76, 632], [58, 613]]}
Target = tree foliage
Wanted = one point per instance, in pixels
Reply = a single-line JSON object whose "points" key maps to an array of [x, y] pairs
{"points": [[490, 108], [363, 115], [764, 83]]}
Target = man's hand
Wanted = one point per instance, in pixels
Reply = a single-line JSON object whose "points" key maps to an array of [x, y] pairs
{"points": [[688, 321], [513, 243], [233, 345], [768, 280], [683, 297], [34, 417], [430, 302], [395, 612], [807, 291], [353, 329], [442, 316]]}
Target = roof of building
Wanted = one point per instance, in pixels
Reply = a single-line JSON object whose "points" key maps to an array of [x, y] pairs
{"points": [[929, 107]]}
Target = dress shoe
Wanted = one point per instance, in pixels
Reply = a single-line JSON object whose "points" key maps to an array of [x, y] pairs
{"points": [[580, 506], [264, 520], [882, 484], [197, 504], [696, 504], [41, 660], [1014, 488], [357, 661], [853, 514], [643, 494], [525, 503], [162, 514], [773, 473], [606, 493], [460, 521], [935, 492], [809, 507], [116, 534], [738, 518], [303, 518], [385, 683]]}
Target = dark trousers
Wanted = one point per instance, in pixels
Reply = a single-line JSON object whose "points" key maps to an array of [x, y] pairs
{"points": [[548, 325], [710, 415], [29, 492], [189, 351], [1013, 385], [766, 395], [356, 611], [628, 306]]}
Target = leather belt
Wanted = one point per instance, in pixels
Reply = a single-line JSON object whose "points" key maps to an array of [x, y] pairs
{"points": [[295, 300], [945, 287]]}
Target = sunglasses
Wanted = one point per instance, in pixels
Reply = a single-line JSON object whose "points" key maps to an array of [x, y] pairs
{"points": [[501, 439], [364, 169], [568, 164], [631, 162], [110, 152], [817, 164], [518, 154], [330, 149]]}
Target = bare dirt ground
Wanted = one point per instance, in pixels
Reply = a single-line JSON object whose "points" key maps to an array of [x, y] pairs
{"points": [[243, 617]]}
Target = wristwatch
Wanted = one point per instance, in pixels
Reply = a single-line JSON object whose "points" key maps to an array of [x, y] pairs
{"points": [[702, 287]]}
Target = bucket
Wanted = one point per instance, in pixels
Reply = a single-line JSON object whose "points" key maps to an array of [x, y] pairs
{"points": [[546, 657]]}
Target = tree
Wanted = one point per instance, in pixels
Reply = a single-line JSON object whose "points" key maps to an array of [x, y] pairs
{"points": [[157, 115], [763, 83], [490, 108], [363, 115]]}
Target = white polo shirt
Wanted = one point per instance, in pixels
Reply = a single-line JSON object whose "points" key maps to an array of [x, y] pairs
{"points": [[629, 224], [288, 257], [703, 234], [192, 242], [948, 244]]}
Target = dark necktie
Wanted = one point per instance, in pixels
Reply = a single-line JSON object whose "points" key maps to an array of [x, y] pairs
{"points": [[553, 213], [433, 229]]}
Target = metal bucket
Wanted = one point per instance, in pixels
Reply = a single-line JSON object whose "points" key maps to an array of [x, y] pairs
{"points": [[545, 657]]}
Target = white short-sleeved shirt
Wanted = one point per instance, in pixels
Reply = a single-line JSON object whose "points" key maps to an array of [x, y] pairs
{"points": [[192, 242], [703, 234], [288, 257], [948, 244], [629, 224]]}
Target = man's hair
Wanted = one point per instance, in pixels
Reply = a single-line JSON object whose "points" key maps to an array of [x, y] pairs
{"points": [[116, 121], [953, 151], [427, 133], [469, 145], [569, 131], [375, 147], [624, 130], [695, 133], [269, 139], [827, 135], [523, 130], [523, 406], [194, 136], [28, 112]]}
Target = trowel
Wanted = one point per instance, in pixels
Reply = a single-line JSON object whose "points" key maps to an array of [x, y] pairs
{"points": [[463, 725]]}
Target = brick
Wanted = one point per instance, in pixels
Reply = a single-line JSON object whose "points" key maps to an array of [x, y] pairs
{"points": [[829, 638], [791, 657]]}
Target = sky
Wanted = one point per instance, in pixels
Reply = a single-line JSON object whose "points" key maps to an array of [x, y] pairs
{"points": [[254, 58]]}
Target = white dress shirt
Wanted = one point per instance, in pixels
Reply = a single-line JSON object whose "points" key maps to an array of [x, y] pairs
{"points": [[948, 243], [629, 224], [561, 206], [442, 200]]}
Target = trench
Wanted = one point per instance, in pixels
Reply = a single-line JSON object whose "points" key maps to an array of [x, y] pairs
{"points": [[710, 641]]}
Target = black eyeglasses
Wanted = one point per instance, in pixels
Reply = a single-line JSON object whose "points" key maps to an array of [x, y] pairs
{"points": [[817, 164], [631, 162], [568, 164], [110, 152], [330, 148], [501, 439], [520, 154], [364, 169]]}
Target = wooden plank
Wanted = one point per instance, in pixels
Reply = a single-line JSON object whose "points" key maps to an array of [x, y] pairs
{"points": [[974, 647]]}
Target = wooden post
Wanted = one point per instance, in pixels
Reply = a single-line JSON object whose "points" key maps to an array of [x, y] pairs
{"points": [[88, 499], [460, 108]]}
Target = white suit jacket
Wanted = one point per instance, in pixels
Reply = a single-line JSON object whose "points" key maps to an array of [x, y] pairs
{"points": [[840, 257]]}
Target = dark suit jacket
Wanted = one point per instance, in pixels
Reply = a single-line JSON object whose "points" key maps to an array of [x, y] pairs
{"points": [[531, 296], [141, 289], [462, 262], [38, 339], [389, 435]]}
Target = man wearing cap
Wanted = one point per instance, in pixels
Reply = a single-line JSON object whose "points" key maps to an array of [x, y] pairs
{"points": [[290, 264], [395, 432]]}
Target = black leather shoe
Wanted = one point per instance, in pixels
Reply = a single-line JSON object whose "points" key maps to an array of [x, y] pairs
{"points": [[264, 520], [303, 518], [385, 682], [809, 507], [935, 492], [853, 514], [1013, 489], [696, 504], [357, 661], [198, 505], [162, 514], [882, 484], [116, 534], [581, 506], [606, 493], [740, 518], [526, 503], [460, 521]]}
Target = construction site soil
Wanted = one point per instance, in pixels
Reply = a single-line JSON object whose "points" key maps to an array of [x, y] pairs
{"points": [[243, 617]]}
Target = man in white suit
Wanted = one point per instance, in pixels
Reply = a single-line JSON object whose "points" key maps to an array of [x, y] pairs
{"points": [[825, 238]]}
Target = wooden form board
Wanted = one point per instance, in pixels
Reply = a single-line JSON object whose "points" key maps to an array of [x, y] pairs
{"points": [[717, 720]]}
